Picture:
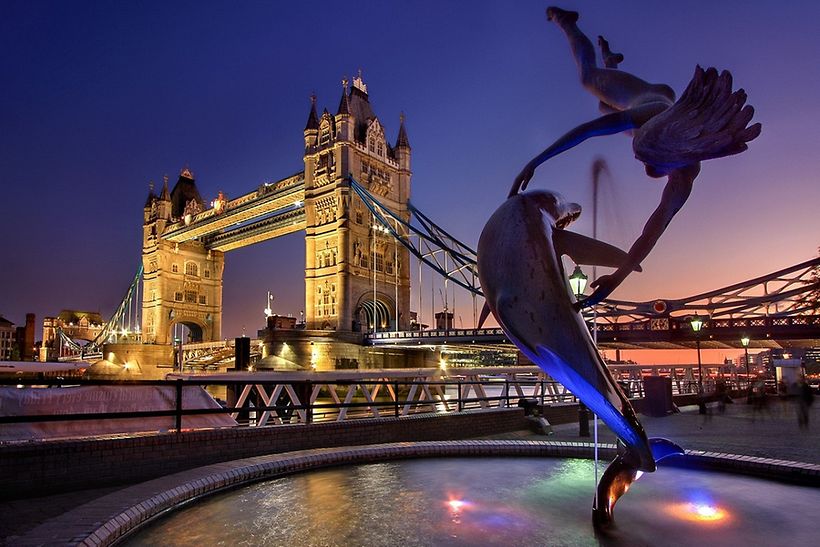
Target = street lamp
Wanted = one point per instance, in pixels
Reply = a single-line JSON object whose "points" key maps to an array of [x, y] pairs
{"points": [[578, 282], [268, 311], [697, 324], [745, 342]]}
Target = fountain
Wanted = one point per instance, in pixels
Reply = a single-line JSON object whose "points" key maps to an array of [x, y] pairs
{"points": [[520, 249]]}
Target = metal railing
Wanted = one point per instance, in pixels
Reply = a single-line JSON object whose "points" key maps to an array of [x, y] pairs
{"points": [[268, 403]]}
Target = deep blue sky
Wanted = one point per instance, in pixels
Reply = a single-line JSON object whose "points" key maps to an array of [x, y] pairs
{"points": [[98, 99]]}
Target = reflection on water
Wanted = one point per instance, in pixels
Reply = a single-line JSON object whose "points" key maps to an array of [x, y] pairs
{"points": [[491, 501]]}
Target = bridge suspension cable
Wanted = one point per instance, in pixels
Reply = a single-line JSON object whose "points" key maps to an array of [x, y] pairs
{"points": [[428, 242], [124, 324]]}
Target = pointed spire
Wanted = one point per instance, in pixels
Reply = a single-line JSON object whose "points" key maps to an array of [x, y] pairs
{"points": [[344, 103], [359, 84], [151, 195], [165, 195], [402, 139], [313, 119]]}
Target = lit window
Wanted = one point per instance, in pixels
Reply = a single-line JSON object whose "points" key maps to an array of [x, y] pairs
{"points": [[202, 299], [174, 268], [358, 217], [379, 262], [191, 269], [190, 297], [178, 296], [389, 267], [207, 274]]}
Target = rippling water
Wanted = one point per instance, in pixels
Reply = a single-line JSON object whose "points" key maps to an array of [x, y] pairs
{"points": [[491, 501]]}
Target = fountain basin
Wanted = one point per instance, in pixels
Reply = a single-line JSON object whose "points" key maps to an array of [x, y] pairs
{"points": [[500, 501]]}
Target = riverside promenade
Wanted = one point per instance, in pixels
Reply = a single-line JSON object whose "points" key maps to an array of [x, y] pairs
{"points": [[773, 434]]}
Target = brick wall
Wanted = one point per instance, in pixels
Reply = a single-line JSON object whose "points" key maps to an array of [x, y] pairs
{"points": [[35, 469]]}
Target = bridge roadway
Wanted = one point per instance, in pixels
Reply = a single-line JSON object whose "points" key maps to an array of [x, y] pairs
{"points": [[660, 333], [272, 210]]}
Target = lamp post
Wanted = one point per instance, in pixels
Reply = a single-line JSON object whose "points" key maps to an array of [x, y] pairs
{"points": [[745, 343], [268, 310], [697, 324], [578, 282]]}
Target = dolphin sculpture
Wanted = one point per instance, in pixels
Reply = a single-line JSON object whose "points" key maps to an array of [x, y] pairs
{"points": [[526, 289]]}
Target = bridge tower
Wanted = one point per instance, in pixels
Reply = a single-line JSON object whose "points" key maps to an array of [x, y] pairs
{"points": [[182, 282], [346, 257]]}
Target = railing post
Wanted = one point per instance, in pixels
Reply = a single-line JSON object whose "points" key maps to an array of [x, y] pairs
{"points": [[507, 391], [178, 415], [460, 403], [309, 409], [542, 392], [396, 397]]}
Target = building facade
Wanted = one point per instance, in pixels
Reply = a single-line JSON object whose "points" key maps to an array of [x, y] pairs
{"points": [[8, 340], [80, 326]]}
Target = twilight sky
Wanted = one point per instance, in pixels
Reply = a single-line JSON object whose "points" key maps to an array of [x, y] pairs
{"points": [[98, 99]]}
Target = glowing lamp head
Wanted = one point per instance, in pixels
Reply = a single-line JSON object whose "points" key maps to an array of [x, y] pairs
{"points": [[578, 281], [745, 341], [696, 323]]}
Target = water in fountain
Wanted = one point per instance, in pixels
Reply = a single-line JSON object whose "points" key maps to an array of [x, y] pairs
{"points": [[491, 501]]}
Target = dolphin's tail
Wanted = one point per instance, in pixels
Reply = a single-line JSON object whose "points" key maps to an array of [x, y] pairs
{"points": [[620, 475]]}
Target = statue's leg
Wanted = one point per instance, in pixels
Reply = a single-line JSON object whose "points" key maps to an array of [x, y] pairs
{"points": [[609, 124], [616, 88], [611, 60]]}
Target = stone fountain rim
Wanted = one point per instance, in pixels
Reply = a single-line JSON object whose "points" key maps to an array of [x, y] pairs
{"points": [[131, 508]]}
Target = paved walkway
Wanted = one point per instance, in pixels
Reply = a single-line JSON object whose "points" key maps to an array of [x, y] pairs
{"points": [[773, 434]]}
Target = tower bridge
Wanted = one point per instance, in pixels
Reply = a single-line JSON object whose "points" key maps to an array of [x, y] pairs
{"points": [[352, 201], [184, 241]]}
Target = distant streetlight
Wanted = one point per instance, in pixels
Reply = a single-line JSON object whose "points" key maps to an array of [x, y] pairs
{"points": [[697, 324], [745, 342], [578, 282], [268, 310]]}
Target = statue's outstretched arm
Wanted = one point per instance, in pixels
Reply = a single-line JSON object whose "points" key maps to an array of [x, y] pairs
{"points": [[675, 194], [608, 124]]}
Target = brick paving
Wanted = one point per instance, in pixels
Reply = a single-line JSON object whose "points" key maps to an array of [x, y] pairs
{"points": [[771, 434], [769, 444]]}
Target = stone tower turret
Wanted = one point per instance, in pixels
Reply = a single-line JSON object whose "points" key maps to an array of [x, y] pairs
{"points": [[312, 126], [346, 258], [182, 282]]}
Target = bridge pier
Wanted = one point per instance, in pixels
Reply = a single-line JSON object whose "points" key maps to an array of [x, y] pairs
{"points": [[152, 361], [331, 350]]}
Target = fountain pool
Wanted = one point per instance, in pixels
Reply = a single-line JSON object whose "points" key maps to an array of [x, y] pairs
{"points": [[490, 501]]}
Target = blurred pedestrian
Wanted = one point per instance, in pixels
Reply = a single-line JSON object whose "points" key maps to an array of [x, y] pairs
{"points": [[805, 397]]}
